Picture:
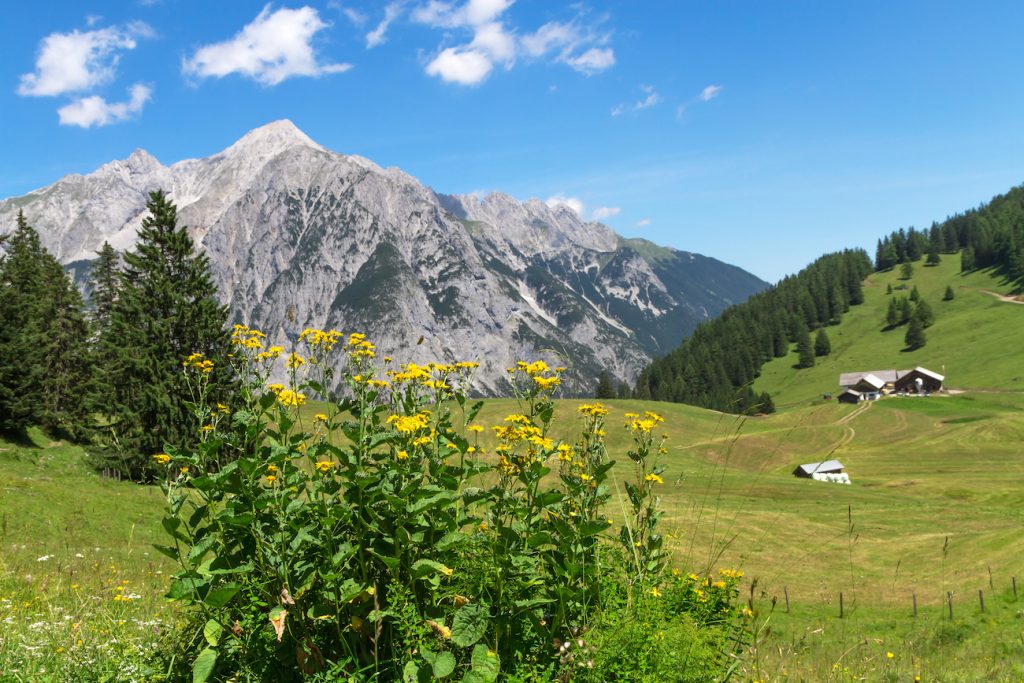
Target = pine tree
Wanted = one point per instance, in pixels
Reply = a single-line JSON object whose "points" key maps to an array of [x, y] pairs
{"points": [[924, 313], [948, 296], [103, 278], [822, 346], [44, 336], [933, 256], [166, 310], [914, 294], [915, 337], [888, 288], [805, 350], [906, 270], [605, 389], [892, 316], [906, 309], [967, 261]]}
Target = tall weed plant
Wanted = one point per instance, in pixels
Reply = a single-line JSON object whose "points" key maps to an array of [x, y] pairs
{"points": [[382, 541]]}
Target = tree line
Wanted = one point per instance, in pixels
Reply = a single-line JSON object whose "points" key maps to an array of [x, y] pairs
{"points": [[109, 375], [716, 366], [991, 235]]}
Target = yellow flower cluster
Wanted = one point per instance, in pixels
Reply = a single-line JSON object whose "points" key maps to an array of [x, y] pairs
{"points": [[290, 398], [324, 466], [593, 409], [198, 362], [323, 340], [649, 421], [655, 478], [410, 424], [271, 354], [247, 338], [540, 373], [359, 347], [295, 361], [162, 458]]}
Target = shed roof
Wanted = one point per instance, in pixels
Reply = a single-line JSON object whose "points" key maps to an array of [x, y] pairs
{"points": [[824, 466], [927, 372], [848, 379], [872, 380], [852, 392]]}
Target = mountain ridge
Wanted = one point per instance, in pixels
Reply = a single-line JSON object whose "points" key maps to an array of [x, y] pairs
{"points": [[295, 232]]}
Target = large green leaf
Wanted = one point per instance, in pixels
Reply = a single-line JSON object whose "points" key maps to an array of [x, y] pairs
{"points": [[485, 663], [219, 597], [212, 632], [204, 665], [469, 625], [443, 665]]}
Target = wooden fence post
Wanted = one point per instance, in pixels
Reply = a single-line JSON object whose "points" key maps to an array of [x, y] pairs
{"points": [[949, 600], [1015, 589], [981, 600], [840, 604], [785, 591], [990, 578], [915, 605]]}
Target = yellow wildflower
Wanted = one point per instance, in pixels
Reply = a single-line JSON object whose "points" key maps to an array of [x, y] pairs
{"points": [[593, 409], [295, 361], [475, 428], [324, 466], [287, 397], [402, 455], [271, 478], [655, 592], [320, 417], [162, 458], [655, 478]]}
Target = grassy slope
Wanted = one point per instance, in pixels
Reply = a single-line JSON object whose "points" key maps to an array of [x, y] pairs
{"points": [[923, 470], [974, 337]]}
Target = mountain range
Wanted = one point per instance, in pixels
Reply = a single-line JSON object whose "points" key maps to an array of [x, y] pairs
{"points": [[300, 236]]}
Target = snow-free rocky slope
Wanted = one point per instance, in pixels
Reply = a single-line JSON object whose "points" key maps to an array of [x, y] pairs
{"points": [[301, 236]]}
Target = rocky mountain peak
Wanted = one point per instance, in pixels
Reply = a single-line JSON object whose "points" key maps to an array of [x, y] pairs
{"points": [[270, 140]]}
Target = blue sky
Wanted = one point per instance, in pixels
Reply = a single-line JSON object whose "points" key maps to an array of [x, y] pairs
{"points": [[763, 134]]}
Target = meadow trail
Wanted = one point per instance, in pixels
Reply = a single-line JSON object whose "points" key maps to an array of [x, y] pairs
{"points": [[850, 433], [1004, 297]]}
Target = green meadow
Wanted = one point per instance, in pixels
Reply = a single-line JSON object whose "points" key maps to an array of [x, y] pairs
{"points": [[936, 509]]}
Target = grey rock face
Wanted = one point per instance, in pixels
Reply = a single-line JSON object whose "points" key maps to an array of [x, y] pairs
{"points": [[299, 236]]}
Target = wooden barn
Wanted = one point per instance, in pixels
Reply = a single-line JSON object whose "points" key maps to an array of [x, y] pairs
{"points": [[863, 386], [919, 381]]}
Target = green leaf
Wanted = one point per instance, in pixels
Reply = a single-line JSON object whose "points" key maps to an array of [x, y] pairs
{"points": [[167, 550], [219, 597], [421, 568], [443, 665], [204, 665], [469, 625], [485, 663], [172, 524], [212, 632]]}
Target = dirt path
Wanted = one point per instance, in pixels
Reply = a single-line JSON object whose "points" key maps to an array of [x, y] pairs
{"points": [[1004, 297], [849, 432]]}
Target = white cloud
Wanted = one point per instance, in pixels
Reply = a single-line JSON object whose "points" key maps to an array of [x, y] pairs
{"points": [[709, 93], [643, 222], [379, 34], [652, 99], [93, 19], [594, 60], [355, 16], [455, 65], [81, 60], [273, 47], [603, 212], [96, 111], [567, 43], [573, 203]]}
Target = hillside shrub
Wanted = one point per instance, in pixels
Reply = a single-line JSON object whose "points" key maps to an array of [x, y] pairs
{"points": [[386, 539]]}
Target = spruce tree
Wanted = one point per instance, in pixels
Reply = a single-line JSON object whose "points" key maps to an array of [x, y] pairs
{"points": [[888, 288], [933, 256], [822, 346], [165, 311], [948, 296], [605, 389], [906, 270], [966, 259], [892, 316], [914, 294], [103, 278], [906, 309], [44, 336], [924, 313], [805, 350], [915, 337]]}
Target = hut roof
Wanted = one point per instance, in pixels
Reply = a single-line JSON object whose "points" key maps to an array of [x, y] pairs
{"points": [[872, 380], [824, 466], [848, 379], [926, 372]]}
